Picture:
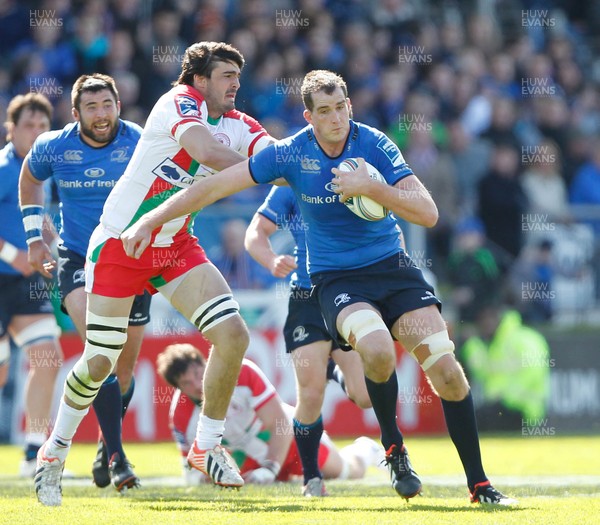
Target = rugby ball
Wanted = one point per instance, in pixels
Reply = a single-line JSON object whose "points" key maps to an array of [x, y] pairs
{"points": [[364, 207]]}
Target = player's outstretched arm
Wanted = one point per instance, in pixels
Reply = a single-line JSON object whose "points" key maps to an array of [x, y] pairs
{"points": [[206, 149], [407, 199], [31, 198], [204, 192], [258, 245]]}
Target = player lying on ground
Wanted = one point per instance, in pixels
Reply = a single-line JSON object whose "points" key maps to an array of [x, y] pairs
{"points": [[258, 427]]}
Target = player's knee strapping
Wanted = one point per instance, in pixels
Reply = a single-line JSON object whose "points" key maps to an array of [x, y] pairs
{"points": [[43, 330], [439, 345], [215, 311], [361, 323], [105, 336]]}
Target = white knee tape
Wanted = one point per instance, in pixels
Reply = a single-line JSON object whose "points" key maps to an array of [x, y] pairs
{"points": [[4, 350], [79, 386], [105, 336], [215, 311], [361, 323], [45, 328], [439, 345]]}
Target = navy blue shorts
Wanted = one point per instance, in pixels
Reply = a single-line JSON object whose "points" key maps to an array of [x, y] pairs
{"points": [[304, 323], [72, 276], [393, 286], [21, 295]]}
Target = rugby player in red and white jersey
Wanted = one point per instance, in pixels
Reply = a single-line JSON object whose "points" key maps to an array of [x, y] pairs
{"points": [[258, 429], [192, 131]]}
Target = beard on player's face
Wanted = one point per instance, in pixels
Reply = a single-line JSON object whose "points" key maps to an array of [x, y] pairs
{"points": [[101, 130]]}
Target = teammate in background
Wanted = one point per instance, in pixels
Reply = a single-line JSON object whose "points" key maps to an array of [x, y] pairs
{"points": [[85, 159], [192, 131], [370, 292], [306, 336], [26, 313], [258, 429]]}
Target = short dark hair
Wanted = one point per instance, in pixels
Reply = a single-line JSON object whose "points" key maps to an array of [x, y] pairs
{"points": [[202, 57], [20, 103], [175, 359], [320, 80], [92, 84]]}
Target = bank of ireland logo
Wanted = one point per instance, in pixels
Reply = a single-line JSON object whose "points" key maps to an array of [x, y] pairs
{"points": [[341, 299], [299, 334], [94, 173]]}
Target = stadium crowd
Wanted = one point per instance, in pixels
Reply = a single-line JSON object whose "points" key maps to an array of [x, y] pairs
{"points": [[495, 105]]}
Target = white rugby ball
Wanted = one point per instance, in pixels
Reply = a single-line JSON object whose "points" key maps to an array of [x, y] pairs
{"points": [[365, 207]]}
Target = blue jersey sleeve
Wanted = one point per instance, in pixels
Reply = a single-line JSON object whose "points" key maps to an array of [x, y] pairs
{"points": [[389, 160], [263, 166], [42, 157], [278, 205]]}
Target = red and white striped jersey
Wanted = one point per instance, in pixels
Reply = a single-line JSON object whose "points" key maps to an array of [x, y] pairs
{"points": [[160, 167]]}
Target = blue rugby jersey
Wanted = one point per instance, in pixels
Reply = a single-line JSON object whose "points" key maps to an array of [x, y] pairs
{"points": [[281, 208], [336, 238], [84, 175], [11, 222]]}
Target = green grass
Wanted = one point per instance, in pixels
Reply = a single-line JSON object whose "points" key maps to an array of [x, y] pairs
{"points": [[369, 501]]}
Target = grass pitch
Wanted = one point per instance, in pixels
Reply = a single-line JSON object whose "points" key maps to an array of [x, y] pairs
{"points": [[556, 479]]}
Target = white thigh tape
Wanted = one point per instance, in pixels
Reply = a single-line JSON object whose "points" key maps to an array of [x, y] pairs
{"points": [[44, 329], [439, 345], [360, 324], [215, 311]]}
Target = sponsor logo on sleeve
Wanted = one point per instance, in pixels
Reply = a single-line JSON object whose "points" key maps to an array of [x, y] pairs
{"points": [[391, 151], [187, 106]]}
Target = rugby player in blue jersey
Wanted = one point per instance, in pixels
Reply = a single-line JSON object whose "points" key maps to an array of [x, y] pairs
{"points": [[85, 159], [369, 290], [306, 337], [26, 313]]}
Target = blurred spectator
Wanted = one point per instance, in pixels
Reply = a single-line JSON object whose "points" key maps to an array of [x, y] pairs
{"points": [[502, 201], [531, 282], [502, 125], [473, 271], [435, 170], [542, 182], [239, 269], [470, 156], [15, 26], [585, 188], [90, 43], [552, 119], [57, 55], [508, 365]]}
